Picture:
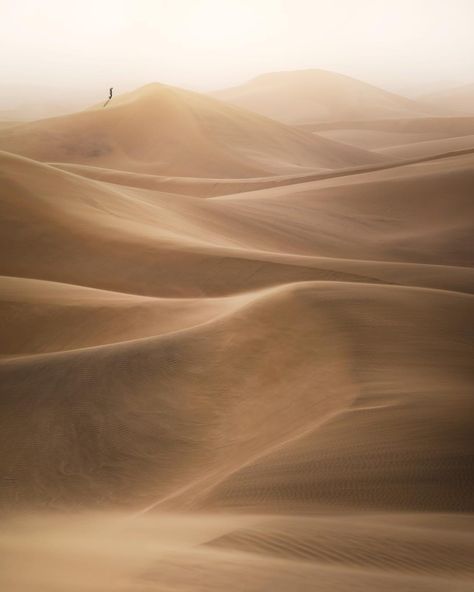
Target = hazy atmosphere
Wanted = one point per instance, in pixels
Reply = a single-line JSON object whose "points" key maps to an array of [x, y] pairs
{"points": [[236, 294], [409, 46]]}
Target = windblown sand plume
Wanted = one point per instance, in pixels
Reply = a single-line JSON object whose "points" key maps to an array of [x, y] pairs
{"points": [[237, 354]]}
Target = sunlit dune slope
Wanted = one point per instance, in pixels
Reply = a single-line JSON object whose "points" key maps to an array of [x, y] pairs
{"points": [[305, 96], [400, 214], [131, 240], [39, 316], [157, 244], [387, 552], [206, 187], [164, 130], [397, 543]]}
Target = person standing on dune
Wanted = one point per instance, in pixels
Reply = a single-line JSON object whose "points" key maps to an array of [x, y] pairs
{"points": [[111, 89]]}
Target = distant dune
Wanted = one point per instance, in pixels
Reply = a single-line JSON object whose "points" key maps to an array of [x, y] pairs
{"points": [[401, 138], [429, 147], [307, 96], [460, 98], [441, 126], [164, 130], [236, 353]]}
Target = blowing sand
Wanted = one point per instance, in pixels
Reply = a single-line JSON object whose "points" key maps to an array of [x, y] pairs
{"points": [[236, 353]]}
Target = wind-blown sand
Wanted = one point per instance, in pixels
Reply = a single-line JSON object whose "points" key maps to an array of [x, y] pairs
{"points": [[237, 355], [164, 130]]}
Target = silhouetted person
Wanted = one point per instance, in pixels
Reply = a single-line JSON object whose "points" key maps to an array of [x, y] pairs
{"points": [[111, 89]]}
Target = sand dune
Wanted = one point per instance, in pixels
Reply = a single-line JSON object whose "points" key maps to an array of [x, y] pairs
{"points": [[236, 354], [5, 123], [373, 139], [439, 126], [181, 246], [307, 96], [429, 147], [392, 214], [40, 317], [163, 130], [402, 138], [423, 553], [176, 420], [460, 98]]}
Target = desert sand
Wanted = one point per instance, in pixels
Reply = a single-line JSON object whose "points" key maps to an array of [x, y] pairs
{"points": [[237, 352]]}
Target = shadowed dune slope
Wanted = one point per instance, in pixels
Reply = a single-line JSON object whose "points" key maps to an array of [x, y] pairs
{"points": [[164, 130], [379, 357], [404, 441], [306, 96], [188, 416]]}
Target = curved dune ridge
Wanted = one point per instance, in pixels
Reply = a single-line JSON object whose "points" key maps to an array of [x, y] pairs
{"points": [[429, 147], [236, 355]]}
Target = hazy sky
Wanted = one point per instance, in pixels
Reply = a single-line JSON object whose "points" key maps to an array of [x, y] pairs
{"points": [[89, 45]]}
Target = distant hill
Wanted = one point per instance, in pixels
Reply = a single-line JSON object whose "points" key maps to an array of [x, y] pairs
{"points": [[306, 96]]}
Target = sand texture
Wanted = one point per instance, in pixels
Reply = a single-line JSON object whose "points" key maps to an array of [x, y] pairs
{"points": [[237, 353]]}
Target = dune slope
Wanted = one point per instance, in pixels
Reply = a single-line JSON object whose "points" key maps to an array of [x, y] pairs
{"points": [[236, 356], [164, 130]]}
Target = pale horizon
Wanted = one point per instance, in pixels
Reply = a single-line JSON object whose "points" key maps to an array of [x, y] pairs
{"points": [[63, 50]]}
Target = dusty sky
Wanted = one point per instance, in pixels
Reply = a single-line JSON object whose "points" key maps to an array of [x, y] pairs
{"points": [[85, 46]]}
